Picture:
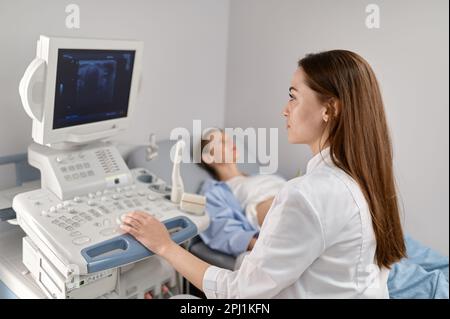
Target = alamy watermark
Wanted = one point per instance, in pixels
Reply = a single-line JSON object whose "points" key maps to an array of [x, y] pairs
{"points": [[72, 21], [254, 145], [73, 16], [373, 17]]}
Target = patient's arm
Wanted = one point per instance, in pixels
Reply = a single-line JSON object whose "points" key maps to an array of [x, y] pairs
{"points": [[251, 243], [262, 208]]}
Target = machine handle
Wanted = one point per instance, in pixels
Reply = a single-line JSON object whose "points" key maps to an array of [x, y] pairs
{"points": [[32, 83], [125, 249]]}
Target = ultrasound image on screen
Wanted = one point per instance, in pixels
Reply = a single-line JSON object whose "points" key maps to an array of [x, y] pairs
{"points": [[95, 84], [92, 86]]}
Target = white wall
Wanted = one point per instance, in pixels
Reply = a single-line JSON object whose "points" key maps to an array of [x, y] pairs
{"points": [[184, 60], [410, 56]]}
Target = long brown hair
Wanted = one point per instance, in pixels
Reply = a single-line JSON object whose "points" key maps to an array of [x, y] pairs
{"points": [[359, 140]]}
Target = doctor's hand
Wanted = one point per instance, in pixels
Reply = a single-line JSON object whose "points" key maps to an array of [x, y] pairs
{"points": [[147, 230], [154, 235]]}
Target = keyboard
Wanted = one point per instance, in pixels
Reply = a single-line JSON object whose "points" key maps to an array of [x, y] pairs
{"points": [[83, 229]]}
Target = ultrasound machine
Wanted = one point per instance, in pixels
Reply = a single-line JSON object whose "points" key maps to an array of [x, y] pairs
{"points": [[80, 93]]}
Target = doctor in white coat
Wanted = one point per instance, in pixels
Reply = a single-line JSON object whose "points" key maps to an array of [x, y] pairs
{"points": [[332, 233]]}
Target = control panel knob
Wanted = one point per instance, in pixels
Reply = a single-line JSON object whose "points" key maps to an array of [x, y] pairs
{"points": [[120, 219], [60, 159]]}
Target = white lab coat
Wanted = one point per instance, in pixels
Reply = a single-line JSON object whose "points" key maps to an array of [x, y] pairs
{"points": [[317, 241]]}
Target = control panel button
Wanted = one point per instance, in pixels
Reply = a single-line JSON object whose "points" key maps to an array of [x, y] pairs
{"points": [[81, 240], [137, 202], [104, 210], [120, 219], [108, 231], [75, 233], [60, 159]]}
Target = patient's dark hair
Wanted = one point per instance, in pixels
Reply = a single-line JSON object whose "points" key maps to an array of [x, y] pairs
{"points": [[207, 167]]}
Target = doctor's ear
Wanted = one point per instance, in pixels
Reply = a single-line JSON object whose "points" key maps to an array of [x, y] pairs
{"points": [[331, 109]]}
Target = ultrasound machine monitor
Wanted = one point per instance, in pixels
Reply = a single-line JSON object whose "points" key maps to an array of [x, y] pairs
{"points": [[81, 90]]}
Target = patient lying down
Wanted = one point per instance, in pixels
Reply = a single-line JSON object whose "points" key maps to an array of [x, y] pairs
{"points": [[237, 203]]}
